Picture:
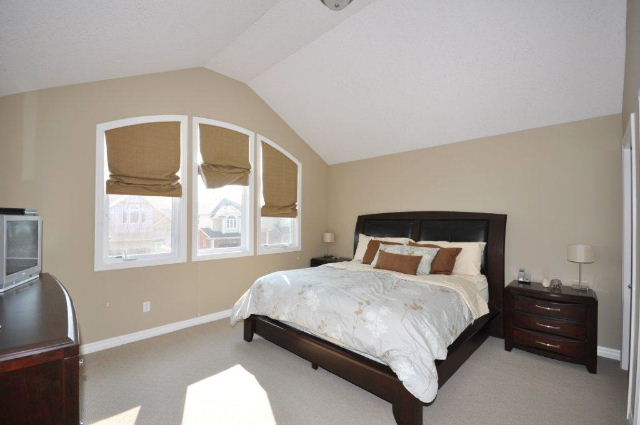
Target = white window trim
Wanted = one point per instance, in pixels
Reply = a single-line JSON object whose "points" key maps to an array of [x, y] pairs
{"points": [[248, 223], [298, 221], [179, 238]]}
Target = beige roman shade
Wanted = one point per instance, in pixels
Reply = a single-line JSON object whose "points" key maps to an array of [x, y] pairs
{"points": [[144, 159], [225, 157], [279, 183]]}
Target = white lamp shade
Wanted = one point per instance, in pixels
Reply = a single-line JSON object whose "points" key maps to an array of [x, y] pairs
{"points": [[328, 237], [580, 253]]}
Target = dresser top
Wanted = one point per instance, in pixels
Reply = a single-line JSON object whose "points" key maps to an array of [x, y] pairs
{"points": [[35, 317], [565, 293]]}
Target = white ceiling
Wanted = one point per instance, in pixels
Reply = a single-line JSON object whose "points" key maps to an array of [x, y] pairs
{"points": [[379, 77]]}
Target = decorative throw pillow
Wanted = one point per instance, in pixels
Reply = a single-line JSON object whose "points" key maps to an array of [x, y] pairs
{"points": [[407, 264], [469, 261], [444, 260], [427, 254], [363, 243], [372, 249], [394, 249]]}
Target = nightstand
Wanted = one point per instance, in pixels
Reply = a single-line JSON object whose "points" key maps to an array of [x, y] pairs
{"points": [[557, 323], [318, 261]]}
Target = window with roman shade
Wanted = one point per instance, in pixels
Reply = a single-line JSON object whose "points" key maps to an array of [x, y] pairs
{"points": [[144, 159], [225, 156], [140, 211], [279, 194], [223, 190], [279, 183]]}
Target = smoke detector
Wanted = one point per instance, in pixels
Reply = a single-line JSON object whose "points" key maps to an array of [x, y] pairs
{"points": [[336, 4]]}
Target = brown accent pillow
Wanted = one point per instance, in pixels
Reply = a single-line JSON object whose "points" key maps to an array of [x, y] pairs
{"points": [[444, 260], [372, 250], [407, 264]]}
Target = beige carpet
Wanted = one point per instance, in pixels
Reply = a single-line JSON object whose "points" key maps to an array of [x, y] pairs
{"points": [[209, 375]]}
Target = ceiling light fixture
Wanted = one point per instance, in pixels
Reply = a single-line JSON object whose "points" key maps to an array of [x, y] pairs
{"points": [[336, 4]]}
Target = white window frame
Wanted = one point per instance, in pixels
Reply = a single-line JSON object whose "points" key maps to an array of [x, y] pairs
{"points": [[246, 248], [179, 237], [297, 228]]}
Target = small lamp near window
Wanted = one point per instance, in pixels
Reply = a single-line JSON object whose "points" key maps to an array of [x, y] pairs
{"points": [[581, 254], [328, 238]]}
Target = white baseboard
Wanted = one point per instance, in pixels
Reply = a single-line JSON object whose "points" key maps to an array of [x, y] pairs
{"points": [[92, 347], [104, 344], [609, 353]]}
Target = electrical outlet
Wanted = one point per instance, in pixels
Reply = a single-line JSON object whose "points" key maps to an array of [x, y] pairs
{"points": [[146, 306]]}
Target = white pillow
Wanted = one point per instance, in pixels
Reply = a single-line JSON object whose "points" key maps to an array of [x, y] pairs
{"points": [[428, 254], [363, 242], [394, 249], [469, 261]]}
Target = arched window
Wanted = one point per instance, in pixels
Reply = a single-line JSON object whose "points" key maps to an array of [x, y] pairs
{"points": [[223, 173], [125, 189], [279, 192]]}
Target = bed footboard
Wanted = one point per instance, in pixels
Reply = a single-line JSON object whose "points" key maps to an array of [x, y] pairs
{"points": [[374, 377]]}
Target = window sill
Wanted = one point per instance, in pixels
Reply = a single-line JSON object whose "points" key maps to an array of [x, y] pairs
{"points": [[221, 255], [162, 261], [267, 251]]}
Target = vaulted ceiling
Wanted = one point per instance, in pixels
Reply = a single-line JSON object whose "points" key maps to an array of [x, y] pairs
{"points": [[379, 77]]}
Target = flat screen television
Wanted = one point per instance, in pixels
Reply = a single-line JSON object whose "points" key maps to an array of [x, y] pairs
{"points": [[20, 249]]}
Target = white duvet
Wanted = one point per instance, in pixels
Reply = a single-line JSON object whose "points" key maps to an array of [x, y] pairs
{"points": [[406, 322]]}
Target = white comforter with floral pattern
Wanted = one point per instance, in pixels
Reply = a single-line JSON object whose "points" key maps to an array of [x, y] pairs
{"points": [[406, 322]]}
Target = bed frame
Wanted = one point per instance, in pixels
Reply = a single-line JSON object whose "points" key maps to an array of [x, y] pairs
{"points": [[375, 377]]}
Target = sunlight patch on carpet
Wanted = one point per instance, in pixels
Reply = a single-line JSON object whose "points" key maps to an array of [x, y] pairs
{"points": [[233, 396]]}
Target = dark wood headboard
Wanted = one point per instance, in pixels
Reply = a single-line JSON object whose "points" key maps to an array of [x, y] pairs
{"points": [[448, 226]]}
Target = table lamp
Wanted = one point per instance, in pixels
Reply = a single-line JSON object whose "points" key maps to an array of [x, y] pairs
{"points": [[581, 254], [328, 238]]}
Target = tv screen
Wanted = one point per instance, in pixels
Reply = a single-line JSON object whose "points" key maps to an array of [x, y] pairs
{"points": [[22, 246]]}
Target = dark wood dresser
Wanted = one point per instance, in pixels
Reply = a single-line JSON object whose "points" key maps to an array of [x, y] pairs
{"points": [[39, 363], [557, 323]]}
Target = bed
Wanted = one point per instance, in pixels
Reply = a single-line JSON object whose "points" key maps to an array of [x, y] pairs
{"points": [[371, 374]]}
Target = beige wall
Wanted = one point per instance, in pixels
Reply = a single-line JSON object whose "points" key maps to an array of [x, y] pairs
{"points": [[47, 161], [632, 63], [558, 185]]}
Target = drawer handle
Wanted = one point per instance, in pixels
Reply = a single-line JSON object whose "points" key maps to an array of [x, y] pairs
{"points": [[547, 326], [547, 345], [547, 308]]}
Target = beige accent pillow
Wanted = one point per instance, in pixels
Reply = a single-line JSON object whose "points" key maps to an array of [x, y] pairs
{"points": [[407, 264], [469, 261], [363, 243]]}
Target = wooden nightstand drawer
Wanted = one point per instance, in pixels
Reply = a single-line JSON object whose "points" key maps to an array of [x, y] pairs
{"points": [[547, 308], [549, 325], [555, 344]]}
